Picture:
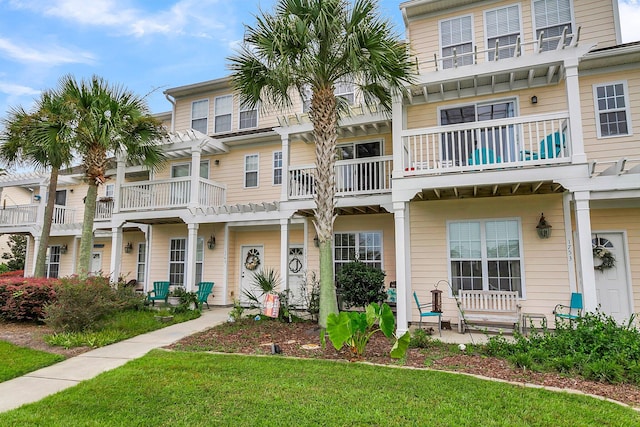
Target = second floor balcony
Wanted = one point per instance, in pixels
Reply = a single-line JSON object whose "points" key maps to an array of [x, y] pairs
{"points": [[173, 193]]}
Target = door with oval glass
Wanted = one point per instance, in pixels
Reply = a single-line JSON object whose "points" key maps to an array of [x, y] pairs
{"points": [[296, 276], [251, 262], [612, 287]]}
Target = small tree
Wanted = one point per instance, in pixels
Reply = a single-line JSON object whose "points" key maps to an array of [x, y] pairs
{"points": [[17, 251], [360, 284]]}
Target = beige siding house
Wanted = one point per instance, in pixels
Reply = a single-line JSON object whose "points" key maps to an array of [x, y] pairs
{"points": [[519, 109]]}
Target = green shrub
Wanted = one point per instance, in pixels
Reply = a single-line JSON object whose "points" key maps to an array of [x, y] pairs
{"points": [[360, 284], [603, 370], [420, 339]]}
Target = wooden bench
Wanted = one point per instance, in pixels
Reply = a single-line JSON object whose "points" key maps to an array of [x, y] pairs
{"points": [[490, 309]]}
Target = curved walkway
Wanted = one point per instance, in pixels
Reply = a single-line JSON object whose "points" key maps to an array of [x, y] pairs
{"points": [[52, 379]]}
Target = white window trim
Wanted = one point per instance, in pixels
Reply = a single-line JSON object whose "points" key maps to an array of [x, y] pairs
{"points": [[486, 31], [483, 252], [627, 108], [535, 24], [244, 109], [207, 115], [202, 162], [364, 141], [142, 263], [440, 47], [200, 242], [184, 275], [244, 176], [215, 114], [357, 233], [179, 164], [106, 190], [273, 175], [342, 94], [48, 262]]}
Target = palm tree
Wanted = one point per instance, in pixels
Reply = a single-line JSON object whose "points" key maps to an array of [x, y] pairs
{"points": [[110, 121], [41, 139], [316, 44]]}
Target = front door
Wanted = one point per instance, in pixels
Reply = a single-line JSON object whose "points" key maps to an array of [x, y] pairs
{"points": [[296, 276], [612, 288], [96, 263], [251, 262]]}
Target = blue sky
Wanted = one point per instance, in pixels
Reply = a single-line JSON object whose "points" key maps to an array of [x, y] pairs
{"points": [[145, 45]]}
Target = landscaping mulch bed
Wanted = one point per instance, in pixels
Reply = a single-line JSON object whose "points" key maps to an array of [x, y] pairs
{"points": [[31, 335], [251, 337]]}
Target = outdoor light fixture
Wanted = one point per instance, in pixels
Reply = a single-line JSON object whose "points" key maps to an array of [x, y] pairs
{"points": [[534, 99], [543, 228], [63, 249], [211, 243], [316, 241], [217, 162], [128, 248]]}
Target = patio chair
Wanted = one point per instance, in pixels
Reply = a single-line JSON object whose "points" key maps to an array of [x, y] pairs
{"points": [[160, 292], [204, 290], [550, 148], [427, 313], [483, 156], [572, 311]]}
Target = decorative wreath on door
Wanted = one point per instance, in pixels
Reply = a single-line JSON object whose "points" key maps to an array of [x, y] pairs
{"points": [[605, 256], [253, 259]]}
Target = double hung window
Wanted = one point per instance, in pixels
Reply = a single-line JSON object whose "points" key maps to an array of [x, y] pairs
{"points": [[551, 18], [52, 262], [502, 30], [456, 41], [223, 112], [277, 168], [612, 109], [177, 261], [248, 117], [251, 164], [200, 115], [141, 262]]}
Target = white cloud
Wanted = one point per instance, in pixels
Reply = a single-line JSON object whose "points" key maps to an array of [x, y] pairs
{"points": [[17, 90], [51, 55], [629, 19]]}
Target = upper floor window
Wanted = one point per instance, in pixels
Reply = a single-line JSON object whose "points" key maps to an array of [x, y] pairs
{"points": [[109, 190], [223, 111], [346, 90], [277, 168], [612, 109], [181, 170], [456, 41], [552, 17], [200, 115], [502, 30], [251, 163], [248, 117], [486, 255]]}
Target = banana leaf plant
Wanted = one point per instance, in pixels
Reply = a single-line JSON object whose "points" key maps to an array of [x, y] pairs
{"points": [[354, 329]]}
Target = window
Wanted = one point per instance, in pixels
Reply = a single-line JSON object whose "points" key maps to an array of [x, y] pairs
{"points": [[200, 115], [456, 36], [141, 262], [552, 17], [364, 246], [199, 259], [251, 170], [277, 168], [223, 110], [503, 28], [345, 90], [181, 170], [177, 261], [109, 190], [612, 105], [485, 255], [52, 262], [248, 117]]}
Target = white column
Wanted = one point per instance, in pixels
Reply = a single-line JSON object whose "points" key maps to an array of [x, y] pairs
{"points": [[41, 204], [36, 245], [147, 261], [585, 269], [284, 194], [116, 253], [225, 267], [403, 276], [76, 249], [195, 177], [568, 236], [192, 246], [120, 165], [284, 253], [575, 111], [396, 129]]}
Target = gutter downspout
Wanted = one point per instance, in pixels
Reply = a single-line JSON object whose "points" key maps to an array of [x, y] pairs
{"points": [[173, 110]]}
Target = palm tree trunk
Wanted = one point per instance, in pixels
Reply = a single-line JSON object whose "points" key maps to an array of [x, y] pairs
{"points": [[324, 118], [41, 257], [86, 241]]}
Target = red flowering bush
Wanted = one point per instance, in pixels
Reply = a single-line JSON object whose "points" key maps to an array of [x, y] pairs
{"points": [[25, 298], [15, 273]]}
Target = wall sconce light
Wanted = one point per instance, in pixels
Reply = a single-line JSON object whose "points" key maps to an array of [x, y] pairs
{"points": [[316, 241], [63, 249], [211, 243], [543, 228], [128, 248], [37, 197], [216, 162], [534, 99]]}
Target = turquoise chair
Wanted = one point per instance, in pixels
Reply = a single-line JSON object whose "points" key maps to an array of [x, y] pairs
{"points": [[160, 292], [572, 311], [550, 148], [204, 290], [483, 156], [427, 313]]}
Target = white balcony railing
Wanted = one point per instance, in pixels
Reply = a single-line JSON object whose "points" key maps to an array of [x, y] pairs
{"points": [[493, 144], [371, 175], [18, 215], [104, 209], [169, 193], [211, 193], [63, 215]]}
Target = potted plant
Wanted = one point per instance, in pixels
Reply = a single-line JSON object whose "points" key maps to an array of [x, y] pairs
{"points": [[175, 295]]}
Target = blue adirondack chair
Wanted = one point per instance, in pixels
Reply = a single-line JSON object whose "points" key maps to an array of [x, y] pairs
{"points": [[483, 156], [204, 290], [571, 311], [160, 292], [550, 148], [427, 313]]}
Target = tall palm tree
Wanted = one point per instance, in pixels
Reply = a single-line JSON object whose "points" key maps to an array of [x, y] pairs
{"points": [[41, 139], [110, 121], [315, 44]]}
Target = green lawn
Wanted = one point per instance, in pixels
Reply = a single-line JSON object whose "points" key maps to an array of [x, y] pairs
{"points": [[199, 389], [18, 361]]}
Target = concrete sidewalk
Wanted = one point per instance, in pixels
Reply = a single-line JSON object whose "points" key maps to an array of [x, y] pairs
{"points": [[52, 379]]}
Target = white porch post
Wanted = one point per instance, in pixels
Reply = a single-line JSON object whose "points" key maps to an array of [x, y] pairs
{"points": [[195, 177], [585, 270], [284, 253], [225, 270], [284, 190], [116, 253], [192, 246], [44, 192], [403, 263], [396, 129], [575, 111], [568, 236], [120, 165]]}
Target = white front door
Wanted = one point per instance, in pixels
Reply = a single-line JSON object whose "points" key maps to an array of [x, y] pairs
{"points": [[251, 262], [296, 276], [612, 288], [96, 263]]}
